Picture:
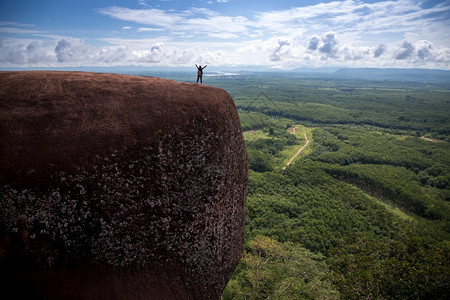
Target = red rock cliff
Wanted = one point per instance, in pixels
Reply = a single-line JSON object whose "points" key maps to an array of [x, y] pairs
{"points": [[118, 187]]}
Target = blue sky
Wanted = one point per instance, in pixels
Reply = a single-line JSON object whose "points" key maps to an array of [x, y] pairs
{"points": [[282, 34]]}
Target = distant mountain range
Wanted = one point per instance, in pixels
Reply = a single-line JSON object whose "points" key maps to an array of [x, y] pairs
{"points": [[388, 74], [423, 75]]}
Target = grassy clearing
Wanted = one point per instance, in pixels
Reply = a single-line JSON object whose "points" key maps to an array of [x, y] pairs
{"points": [[253, 135], [400, 137]]}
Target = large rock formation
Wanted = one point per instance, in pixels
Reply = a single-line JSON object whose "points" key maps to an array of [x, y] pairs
{"points": [[118, 187]]}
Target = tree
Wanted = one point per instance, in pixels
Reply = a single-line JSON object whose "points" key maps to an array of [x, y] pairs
{"points": [[410, 268], [270, 269], [259, 161]]}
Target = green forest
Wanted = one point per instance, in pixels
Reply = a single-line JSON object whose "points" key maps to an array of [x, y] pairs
{"points": [[363, 210]]}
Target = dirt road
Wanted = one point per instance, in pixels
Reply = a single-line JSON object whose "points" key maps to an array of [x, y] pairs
{"points": [[299, 151]]}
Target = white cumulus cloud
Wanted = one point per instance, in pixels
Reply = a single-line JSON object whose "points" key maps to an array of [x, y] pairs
{"points": [[336, 33]]}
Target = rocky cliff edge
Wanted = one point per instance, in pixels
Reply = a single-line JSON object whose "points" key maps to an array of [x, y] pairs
{"points": [[118, 187]]}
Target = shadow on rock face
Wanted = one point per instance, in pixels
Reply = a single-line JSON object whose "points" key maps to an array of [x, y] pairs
{"points": [[118, 187]]}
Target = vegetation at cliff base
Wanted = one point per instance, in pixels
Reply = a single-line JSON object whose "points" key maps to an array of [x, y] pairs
{"points": [[363, 211]]}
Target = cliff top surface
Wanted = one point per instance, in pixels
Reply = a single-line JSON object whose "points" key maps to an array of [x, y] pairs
{"points": [[46, 117]]}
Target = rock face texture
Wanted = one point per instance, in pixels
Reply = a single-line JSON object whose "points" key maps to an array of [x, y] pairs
{"points": [[118, 187]]}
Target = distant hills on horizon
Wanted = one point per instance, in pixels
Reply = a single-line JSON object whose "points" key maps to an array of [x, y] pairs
{"points": [[388, 74], [421, 75]]}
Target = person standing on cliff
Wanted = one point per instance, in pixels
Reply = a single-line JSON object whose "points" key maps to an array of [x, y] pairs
{"points": [[200, 73]]}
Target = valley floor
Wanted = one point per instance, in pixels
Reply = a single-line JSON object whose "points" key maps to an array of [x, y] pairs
{"points": [[349, 192]]}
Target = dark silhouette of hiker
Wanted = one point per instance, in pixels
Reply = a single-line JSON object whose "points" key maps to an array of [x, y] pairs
{"points": [[200, 73]]}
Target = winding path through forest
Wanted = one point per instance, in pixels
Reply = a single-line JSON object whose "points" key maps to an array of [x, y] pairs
{"points": [[299, 151]]}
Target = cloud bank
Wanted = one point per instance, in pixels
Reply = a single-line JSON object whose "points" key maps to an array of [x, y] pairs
{"points": [[315, 51]]}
